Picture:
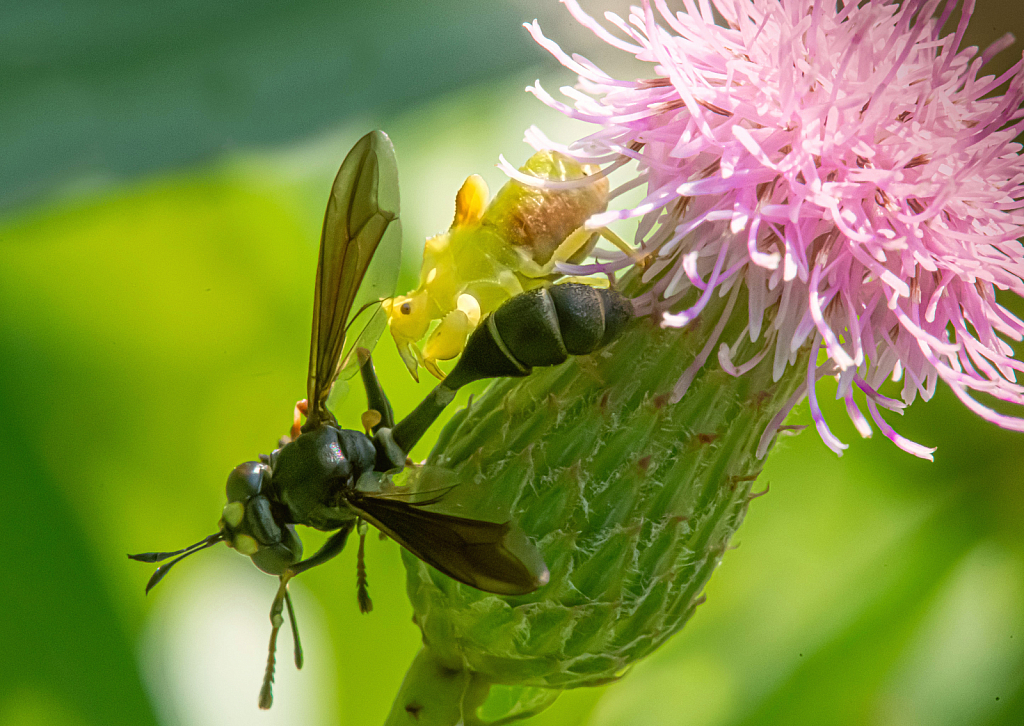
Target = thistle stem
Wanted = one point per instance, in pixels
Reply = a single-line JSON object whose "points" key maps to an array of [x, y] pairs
{"points": [[631, 499]]}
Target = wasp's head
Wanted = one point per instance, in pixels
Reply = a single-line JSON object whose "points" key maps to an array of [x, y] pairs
{"points": [[247, 525], [248, 522]]}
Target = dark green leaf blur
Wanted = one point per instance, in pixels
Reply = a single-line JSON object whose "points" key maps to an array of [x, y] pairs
{"points": [[163, 173]]}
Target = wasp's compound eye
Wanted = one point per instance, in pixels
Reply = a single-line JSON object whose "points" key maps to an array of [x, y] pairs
{"points": [[275, 559], [246, 480], [260, 522]]}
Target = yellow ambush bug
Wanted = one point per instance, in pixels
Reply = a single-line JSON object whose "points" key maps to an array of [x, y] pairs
{"points": [[493, 252]]}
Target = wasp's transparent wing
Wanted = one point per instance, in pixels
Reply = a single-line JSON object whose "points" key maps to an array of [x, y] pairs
{"points": [[369, 320], [360, 249], [489, 556]]}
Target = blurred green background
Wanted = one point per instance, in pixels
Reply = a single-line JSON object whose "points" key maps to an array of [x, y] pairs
{"points": [[163, 172]]}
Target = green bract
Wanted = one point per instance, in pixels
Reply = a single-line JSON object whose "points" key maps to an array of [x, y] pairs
{"points": [[632, 500]]}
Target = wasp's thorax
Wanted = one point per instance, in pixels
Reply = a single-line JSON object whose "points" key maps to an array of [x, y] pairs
{"points": [[312, 473]]}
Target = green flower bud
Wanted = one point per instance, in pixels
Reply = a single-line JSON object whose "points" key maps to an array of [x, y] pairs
{"points": [[631, 498]]}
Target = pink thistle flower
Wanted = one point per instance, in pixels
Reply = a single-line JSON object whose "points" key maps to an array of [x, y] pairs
{"points": [[848, 166]]}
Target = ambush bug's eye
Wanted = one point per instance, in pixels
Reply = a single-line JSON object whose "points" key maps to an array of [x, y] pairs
{"points": [[406, 308]]}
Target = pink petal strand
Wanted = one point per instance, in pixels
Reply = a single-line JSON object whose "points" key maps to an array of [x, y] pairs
{"points": [[851, 166]]}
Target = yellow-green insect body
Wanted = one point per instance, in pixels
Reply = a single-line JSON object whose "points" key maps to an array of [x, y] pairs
{"points": [[493, 252]]}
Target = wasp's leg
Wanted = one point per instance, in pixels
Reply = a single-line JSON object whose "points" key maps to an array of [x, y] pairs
{"points": [[298, 413], [375, 397], [331, 548], [295, 630], [362, 591], [267, 689], [410, 429]]}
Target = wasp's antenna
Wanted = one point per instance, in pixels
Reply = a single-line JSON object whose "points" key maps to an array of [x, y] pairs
{"points": [[160, 556]]}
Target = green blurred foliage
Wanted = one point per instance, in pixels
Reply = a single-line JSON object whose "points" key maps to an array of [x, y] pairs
{"points": [[154, 335], [100, 89]]}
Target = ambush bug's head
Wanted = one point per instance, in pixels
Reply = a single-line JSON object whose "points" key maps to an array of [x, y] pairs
{"points": [[408, 317]]}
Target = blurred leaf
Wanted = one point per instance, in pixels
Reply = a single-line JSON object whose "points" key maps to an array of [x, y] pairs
{"points": [[66, 657], [99, 90]]}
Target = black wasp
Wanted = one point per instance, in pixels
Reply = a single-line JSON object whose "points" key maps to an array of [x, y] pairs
{"points": [[335, 479]]}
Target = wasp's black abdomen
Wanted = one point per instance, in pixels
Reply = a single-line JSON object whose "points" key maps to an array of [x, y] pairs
{"points": [[541, 327], [529, 330], [589, 317]]}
